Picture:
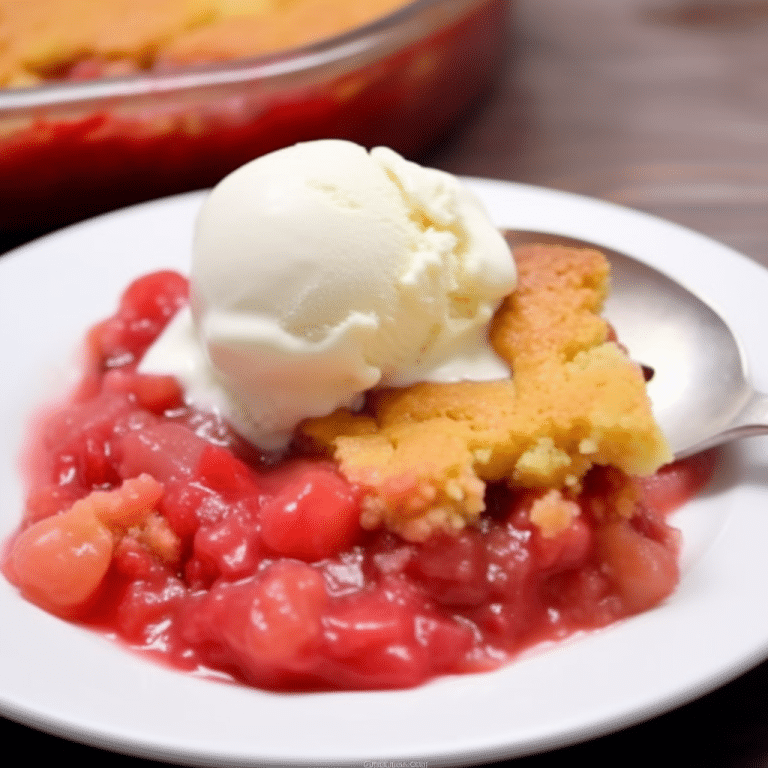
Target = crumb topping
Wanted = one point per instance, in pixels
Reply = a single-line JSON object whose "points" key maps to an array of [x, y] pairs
{"points": [[44, 39], [424, 454]]}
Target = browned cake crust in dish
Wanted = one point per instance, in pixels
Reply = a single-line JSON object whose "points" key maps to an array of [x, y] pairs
{"points": [[42, 39], [424, 454]]}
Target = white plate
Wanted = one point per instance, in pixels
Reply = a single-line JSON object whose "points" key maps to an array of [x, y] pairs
{"points": [[70, 682]]}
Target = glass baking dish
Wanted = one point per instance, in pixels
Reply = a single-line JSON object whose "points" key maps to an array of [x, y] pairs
{"points": [[69, 150]]}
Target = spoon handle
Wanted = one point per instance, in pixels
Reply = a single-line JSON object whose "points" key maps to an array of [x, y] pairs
{"points": [[750, 421], [753, 418]]}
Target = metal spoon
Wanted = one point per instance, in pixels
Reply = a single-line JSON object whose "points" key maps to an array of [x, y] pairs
{"points": [[699, 389]]}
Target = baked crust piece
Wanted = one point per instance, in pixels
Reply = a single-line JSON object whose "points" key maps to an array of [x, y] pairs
{"points": [[41, 39], [424, 454]]}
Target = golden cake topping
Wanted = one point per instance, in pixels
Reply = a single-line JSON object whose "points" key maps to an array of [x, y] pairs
{"points": [[424, 453], [41, 39]]}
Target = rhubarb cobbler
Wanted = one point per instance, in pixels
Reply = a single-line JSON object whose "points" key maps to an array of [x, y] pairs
{"points": [[429, 528], [443, 528], [49, 40]]}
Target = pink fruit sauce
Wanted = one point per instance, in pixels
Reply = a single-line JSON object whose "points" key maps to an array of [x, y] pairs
{"points": [[154, 523]]}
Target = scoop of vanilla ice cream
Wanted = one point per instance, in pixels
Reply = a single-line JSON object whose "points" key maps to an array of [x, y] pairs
{"points": [[322, 270]]}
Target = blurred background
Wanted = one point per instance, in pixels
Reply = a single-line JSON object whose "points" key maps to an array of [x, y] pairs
{"points": [[661, 105]]}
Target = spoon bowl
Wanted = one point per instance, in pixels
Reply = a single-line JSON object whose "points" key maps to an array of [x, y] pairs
{"points": [[699, 386]]}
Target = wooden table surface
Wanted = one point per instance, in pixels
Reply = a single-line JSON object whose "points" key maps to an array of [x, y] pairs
{"points": [[661, 105]]}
